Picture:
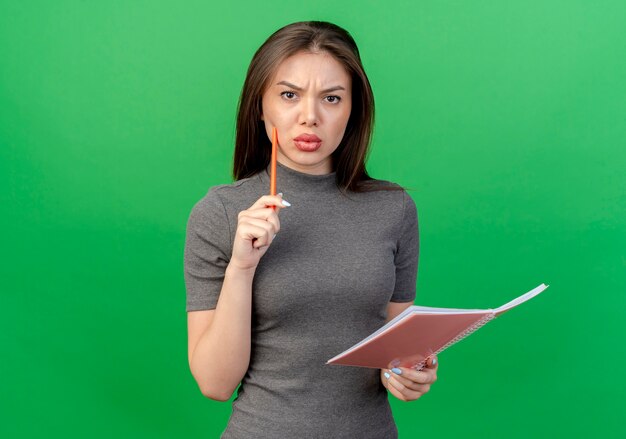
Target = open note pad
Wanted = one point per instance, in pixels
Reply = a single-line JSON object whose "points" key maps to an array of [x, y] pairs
{"points": [[420, 332]]}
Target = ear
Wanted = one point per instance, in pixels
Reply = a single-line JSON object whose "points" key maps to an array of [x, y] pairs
{"points": [[262, 118]]}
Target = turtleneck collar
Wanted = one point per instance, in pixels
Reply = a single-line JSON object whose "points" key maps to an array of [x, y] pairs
{"points": [[290, 180]]}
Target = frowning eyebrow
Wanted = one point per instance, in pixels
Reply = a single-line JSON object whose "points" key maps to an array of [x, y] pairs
{"points": [[295, 87]]}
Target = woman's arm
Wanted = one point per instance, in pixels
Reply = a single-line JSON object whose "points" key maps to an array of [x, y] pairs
{"points": [[407, 384], [393, 309], [219, 339]]}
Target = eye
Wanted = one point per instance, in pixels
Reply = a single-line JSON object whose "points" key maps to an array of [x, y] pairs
{"points": [[289, 95], [333, 99]]}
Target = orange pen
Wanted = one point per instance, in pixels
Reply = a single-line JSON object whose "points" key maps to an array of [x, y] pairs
{"points": [[273, 163]]}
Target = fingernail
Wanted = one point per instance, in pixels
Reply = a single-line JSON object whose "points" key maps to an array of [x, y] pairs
{"points": [[434, 361], [387, 375], [396, 371], [286, 203], [274, 236], [280, 193]]}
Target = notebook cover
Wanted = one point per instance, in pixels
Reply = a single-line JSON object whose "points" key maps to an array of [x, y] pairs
{"points": [[410, 342]]}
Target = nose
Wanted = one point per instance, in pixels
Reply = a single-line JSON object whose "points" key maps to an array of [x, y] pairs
{"points": [[309, 113]]}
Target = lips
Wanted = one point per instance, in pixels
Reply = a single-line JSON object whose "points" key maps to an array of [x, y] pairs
{"points": [[307, 138], [307, 142]]}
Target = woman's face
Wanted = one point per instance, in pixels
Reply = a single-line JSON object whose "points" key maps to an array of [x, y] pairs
{"points": [[308, 101]]}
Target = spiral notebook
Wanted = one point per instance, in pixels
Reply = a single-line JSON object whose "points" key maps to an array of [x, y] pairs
{"points": [[420, 332]]}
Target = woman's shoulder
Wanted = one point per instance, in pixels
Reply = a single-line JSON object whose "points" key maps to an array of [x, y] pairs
{"points": [[376, 184], [383, 188], [228, 196], [388, 196], [236, 187]]}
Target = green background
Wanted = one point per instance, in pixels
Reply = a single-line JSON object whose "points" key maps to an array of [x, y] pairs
{"points": [[506, 119]]}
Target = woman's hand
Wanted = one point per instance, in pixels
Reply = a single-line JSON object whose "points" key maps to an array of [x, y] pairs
{"points": [[410, 384], [256, 229]]}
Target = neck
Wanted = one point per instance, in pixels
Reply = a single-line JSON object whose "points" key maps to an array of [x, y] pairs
{"points": [[289, 180]]}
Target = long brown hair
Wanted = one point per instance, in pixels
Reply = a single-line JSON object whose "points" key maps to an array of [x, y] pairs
{"points": [[252, 146]]}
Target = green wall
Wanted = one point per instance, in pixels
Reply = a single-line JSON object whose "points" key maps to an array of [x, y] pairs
{"points": [[506, 119]]}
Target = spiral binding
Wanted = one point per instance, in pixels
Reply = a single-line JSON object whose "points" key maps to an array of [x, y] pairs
{"points": [[479, 324]]}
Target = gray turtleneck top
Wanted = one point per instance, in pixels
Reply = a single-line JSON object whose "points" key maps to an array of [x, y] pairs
{"points": [[323, 285]]}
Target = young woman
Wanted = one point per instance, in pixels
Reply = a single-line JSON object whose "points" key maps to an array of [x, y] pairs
{"points": [[275, 288]]}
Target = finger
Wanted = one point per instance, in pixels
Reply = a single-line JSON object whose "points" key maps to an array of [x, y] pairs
{"points": [[261, 212], [406, 381], [432, 363], [270, 200], [266, 214], [256, 233], [424, 376], [407, 394], [265, 225], [395, 392]]}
